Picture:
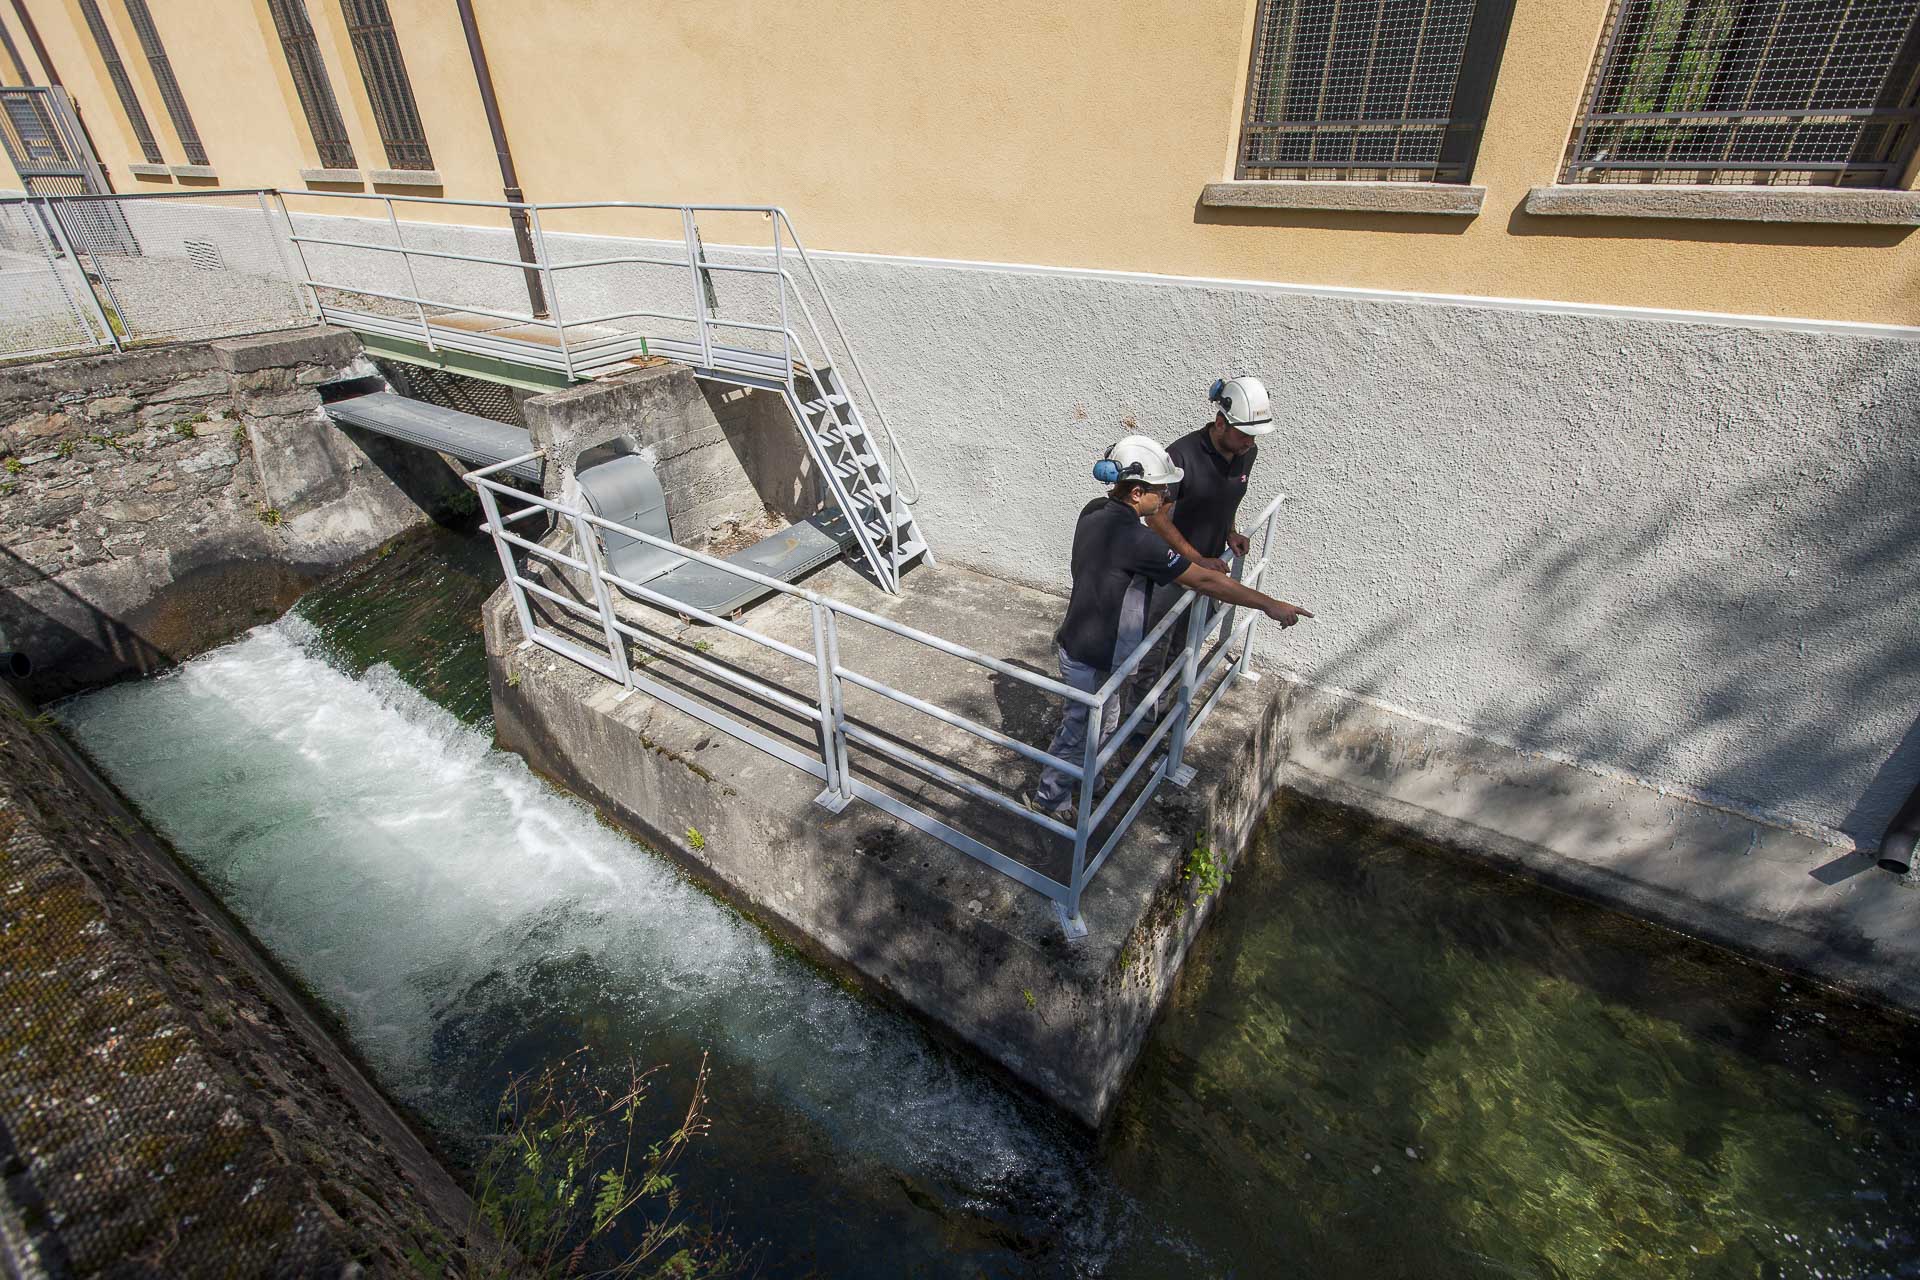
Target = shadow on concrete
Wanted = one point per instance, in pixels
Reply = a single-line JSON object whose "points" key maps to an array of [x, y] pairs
{"points": [[1752, 661]]}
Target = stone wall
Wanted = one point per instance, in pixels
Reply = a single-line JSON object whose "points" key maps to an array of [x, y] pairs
{"points": [[167, 1105], [155, 503]]}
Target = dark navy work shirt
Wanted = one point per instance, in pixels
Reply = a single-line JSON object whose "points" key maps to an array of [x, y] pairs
{"points": [[1116, 563], [1208, 497]]}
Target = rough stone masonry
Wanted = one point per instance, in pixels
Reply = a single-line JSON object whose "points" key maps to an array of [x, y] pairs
{"points": [[155, 503]]}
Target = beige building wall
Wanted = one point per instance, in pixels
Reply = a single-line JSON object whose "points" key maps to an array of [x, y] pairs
{"points": [[999, 131]]}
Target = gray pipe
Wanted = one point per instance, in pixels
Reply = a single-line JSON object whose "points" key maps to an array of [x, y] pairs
{"points": [[1896, 847]]}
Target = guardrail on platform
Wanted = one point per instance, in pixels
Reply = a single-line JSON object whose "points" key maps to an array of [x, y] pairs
{"points": [[825, 706]]}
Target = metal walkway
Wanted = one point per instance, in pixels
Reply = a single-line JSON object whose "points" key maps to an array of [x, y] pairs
{"points": [[769, 338], [479, 441]]}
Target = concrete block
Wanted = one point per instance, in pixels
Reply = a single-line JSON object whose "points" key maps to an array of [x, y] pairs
{"points": [[1451, 199], [321, 344], [970, 950], [193, 387], [1860, 206]]}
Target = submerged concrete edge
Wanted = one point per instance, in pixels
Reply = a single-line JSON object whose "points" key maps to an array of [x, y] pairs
{"points": [[1779, 897]]}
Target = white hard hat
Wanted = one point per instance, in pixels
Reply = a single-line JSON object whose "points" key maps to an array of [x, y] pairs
{"points": [[1244, 401], [1137, 458]]}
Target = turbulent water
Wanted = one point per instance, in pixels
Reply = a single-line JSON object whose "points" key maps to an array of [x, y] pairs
{"points": [[1382, 1062]]}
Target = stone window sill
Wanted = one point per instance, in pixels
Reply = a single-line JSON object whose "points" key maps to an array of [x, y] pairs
{"points": [[1856, 205], [1445, 198], [150, 171], [194, 171], [406, 177], [332, 175]]}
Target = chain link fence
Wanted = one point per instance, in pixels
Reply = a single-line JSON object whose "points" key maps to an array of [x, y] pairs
{"points": [[44, 303], [183, 269]]}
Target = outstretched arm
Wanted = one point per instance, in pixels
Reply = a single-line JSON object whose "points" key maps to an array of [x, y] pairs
{"points": [[1161, 522], [1211, 582]]}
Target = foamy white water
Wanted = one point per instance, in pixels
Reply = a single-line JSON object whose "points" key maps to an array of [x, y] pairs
{"points": [[428, 886]]}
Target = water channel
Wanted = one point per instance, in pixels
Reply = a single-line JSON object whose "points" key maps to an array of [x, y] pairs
{"points": [[1383, 1060]]}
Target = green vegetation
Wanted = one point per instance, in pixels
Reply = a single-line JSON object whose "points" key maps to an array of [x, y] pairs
{"points": [[695, 839], [1028, 994], [1206, 869], [270, 516], [66, 448], [14, 465], [570, 1177]]}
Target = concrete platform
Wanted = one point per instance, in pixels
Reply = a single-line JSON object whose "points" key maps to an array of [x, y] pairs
{"points": [[978, 955]]}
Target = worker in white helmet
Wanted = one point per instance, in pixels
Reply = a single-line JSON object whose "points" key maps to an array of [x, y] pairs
{"points": [[1200, 521], [1117, 561]]}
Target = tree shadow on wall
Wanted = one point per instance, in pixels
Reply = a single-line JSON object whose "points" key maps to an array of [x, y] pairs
{"points": [[1776, 686]]}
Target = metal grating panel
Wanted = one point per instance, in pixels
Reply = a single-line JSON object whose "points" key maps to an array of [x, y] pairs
{"points": [[117, 72], [385, 73], [1752, 91], [476, 396], [309, 72], [170, 95], [1348, 89]]}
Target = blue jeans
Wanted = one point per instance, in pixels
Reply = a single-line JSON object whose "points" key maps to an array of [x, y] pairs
{"points": [[1070, 739]]}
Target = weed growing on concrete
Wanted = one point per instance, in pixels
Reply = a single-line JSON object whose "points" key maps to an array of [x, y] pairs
{"points": [[463, 503], [571, 1175], [703, 646], [186, 430], [270, 516], [1206, 870], [695, 839], [108, 442], [67, 447], [7, 489], [513, 679], [14, 465], [1031, 1002]]}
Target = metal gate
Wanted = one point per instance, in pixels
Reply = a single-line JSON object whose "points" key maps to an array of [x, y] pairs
{"points": [[44, 140]]}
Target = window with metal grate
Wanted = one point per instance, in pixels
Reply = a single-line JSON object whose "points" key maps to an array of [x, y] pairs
{"points": [[1383, 90], [1775, 92], [309, 70], [385, 73], [122, 86], [170, 95]]}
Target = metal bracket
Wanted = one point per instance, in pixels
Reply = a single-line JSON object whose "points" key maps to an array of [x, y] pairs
{"points": [[832, 801], [1251, 677], [1075, 927], [1185, 774]]}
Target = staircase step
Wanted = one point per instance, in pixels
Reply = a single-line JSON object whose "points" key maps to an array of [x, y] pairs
{"points": [[908, 550], [827, 402], [842, 434]]}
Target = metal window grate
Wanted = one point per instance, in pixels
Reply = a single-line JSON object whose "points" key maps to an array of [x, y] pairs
{"points": [[309, 70], [117, 72], [170, 95], [1360, 89], [385, 73], [1803, 92]]}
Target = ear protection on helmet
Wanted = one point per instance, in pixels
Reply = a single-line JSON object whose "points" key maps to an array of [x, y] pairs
{"points": [[1107, 471], [1217, 391]]}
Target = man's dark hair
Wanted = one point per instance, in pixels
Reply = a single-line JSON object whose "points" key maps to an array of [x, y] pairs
{"points": [[1125, 489]]}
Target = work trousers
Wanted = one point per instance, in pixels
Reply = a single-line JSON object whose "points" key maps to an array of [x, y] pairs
{"points": [[1056, 789]]}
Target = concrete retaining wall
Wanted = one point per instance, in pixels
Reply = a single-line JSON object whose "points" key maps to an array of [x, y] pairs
{"points": [[156, 503], [1676, 549]]}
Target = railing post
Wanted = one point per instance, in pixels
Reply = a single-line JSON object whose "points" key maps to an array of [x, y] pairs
{"points": [[306, 270], [837, 795], [413, 285], [780, 282], [1071, 921], [590, 552], [1241, 664], [553, 296], [699, 294], [491, 509], [1179, 772], [839, 696], [58, 225]]}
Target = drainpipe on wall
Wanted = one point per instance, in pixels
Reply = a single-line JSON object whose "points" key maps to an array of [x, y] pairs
{"points": [[53, 78], [510, 182], [1896, 847]]}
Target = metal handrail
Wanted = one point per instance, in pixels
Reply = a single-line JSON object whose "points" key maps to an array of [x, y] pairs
{"points": [[827, 710]]}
